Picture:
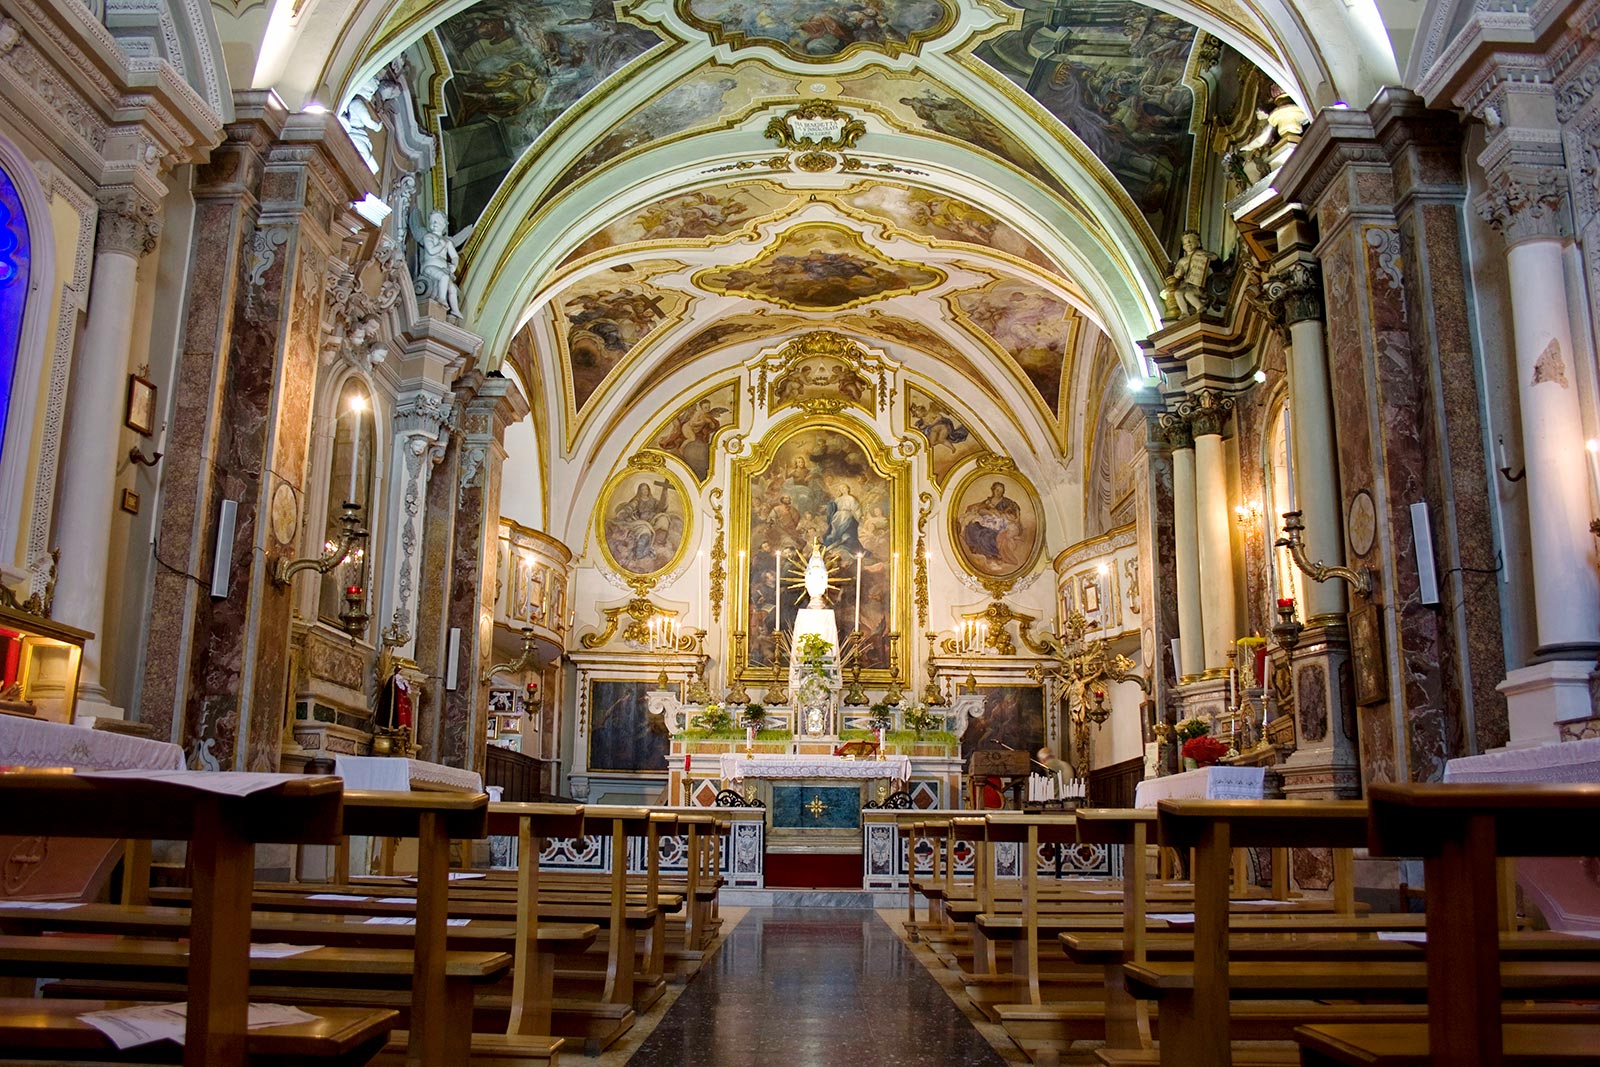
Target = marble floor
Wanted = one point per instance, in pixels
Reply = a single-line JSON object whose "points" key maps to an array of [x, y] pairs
{"points": [[814, 988]]}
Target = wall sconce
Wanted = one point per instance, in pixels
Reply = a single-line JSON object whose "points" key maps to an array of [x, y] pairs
{"points": [[1248, 516], [351, 534], [1294, 540], [528, 660]]}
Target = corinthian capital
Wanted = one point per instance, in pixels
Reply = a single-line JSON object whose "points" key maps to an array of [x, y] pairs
{"points": [[1526, 203], [128, 223], [1174, 430], [1207, 411], [1295, 292]]}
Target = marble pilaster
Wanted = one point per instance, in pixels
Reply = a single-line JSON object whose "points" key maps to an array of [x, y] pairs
{"points": [[1158, 579], [1186, 547], [420, 433], [490, 404], [1386, 192], [238, 672]]}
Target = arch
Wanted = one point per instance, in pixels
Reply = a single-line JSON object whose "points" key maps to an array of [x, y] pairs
{"points": [[32, 342]]}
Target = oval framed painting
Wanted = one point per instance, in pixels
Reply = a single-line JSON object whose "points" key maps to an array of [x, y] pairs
{"points": [[996, 525], [643, 521]]}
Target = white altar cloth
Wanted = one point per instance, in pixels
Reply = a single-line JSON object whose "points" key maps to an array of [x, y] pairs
{"points": [[397, 773], [1566, 761], [28, 742], [1207, 783], [736, 767], [1564, 891]]}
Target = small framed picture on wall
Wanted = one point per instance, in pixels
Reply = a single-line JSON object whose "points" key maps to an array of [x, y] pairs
{"points": [[141, 415]]}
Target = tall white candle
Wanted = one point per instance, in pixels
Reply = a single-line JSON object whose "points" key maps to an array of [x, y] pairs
{"points": [[701, 583], [777, 589], [857, 626], [1288, 454]]}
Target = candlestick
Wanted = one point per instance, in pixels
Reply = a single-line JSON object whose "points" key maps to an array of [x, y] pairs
{"points": [[856, 628], [777, 589], [700, 585]]}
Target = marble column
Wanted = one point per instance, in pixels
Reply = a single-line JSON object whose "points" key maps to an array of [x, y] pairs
{"points": [[493, 404], [1527, 206], [1295, 289], [1158, 579], [1208, 411], [1186, 537], [128, 230]]}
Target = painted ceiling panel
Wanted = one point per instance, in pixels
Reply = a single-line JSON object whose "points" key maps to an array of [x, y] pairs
{"points": [[820, 267], [820, 30], [924, 212], [708, 99], [1035, 328], [1112, 73], [602, 318], [517, 67], [714, 211]]}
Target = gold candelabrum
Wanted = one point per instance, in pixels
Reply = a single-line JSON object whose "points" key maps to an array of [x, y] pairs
{"points": [[894, 694], [699, 691], [1081, 670], [737, 693], [527, 660], [778, 691], [1293, 539], [851, 651], [352, 534], [931, 695]]}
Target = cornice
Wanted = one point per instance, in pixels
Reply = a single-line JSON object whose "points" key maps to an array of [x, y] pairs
{"points": [[1336, 138]]}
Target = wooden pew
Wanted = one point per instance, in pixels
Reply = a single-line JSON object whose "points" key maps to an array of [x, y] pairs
{"points": [[1460, 831], [222, 831]]}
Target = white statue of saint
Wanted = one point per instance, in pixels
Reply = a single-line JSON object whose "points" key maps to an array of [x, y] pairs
{"points": [[817, 577], [440, 261]]}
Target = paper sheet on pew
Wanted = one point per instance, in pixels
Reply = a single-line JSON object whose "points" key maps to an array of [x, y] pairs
{"points": [[128, 1027], [228, 783], [400, 920], [1259, 903], [1172, 916], [277, 950], [397, 900], [41, 905], [455, 876], [1415, 936], [336, 896]]}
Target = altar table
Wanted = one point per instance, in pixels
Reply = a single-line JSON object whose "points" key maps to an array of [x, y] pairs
{"points": [[1207, 783], [736, 767]]}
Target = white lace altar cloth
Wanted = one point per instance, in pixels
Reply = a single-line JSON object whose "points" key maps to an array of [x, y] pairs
{"points": [[28, 742], [400, 774], [1566, 889], [736, 767], [1207, 783]]}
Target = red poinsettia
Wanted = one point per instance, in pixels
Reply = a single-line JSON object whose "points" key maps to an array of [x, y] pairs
{"points": [[1203, 750]]}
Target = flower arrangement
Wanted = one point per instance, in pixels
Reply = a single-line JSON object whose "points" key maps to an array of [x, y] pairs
{"points": [[755, 716], [1204, 750], [714, 719], [920, 720], [813, 652], [1192, 728], [881, 716]]}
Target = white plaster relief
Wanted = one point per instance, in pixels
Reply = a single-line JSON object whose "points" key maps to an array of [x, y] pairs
{"points": [[1550, 366]]}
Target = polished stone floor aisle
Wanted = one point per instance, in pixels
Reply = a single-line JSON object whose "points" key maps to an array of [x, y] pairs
{"points": [[816, 987]]}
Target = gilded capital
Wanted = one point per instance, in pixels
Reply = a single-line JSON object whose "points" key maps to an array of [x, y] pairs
{"points": [[129, 224], [1174, 430], [1207, 411], [1525, 203], [1295, 292]]}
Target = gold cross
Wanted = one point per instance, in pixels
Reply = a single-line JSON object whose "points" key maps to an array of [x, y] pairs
{"points": [[816, 807]]}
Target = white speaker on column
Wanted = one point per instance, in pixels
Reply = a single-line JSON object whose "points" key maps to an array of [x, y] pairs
{"points": [[1427, 570], [222, 553]]}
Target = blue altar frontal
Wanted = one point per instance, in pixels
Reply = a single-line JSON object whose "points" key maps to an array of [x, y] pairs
{"points": [[815, 807]]}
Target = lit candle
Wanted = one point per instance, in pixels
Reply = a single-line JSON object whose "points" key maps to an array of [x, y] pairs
{"points": [[1288, 455], [777, 589], [1593, 448], [1233, 675], [701, 583], [857, 626]]}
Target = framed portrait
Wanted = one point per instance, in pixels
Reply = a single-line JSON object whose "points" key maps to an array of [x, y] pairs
{"points": [[996, 524], [512, 725], [502, 701], [1366, 656], [141, 413], [643, 522], [493, 729], [130, 502]]}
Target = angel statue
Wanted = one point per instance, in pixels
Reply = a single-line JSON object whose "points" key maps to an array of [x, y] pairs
{"points": [[440, 261]]}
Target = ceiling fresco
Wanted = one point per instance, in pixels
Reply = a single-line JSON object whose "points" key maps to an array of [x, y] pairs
{"points": [[713, 211], [949, 439], [820, 266], [1112, 72], [820, 30], [711, 98], [1035, 328], [602, 318], [691, 433], [517, 67]]}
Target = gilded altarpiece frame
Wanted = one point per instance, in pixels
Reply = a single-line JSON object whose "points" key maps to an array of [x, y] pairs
{"points": [[828, 477]]}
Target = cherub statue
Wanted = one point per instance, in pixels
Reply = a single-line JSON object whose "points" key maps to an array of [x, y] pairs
{"points": [[440, 261], [1186, 285]]}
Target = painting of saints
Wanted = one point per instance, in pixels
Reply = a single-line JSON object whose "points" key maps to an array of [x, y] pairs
{"points": [[950, 439], [995, 525], [1013, 716], [623, 735], [642, 524], [820, 484], [690, 433]]}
